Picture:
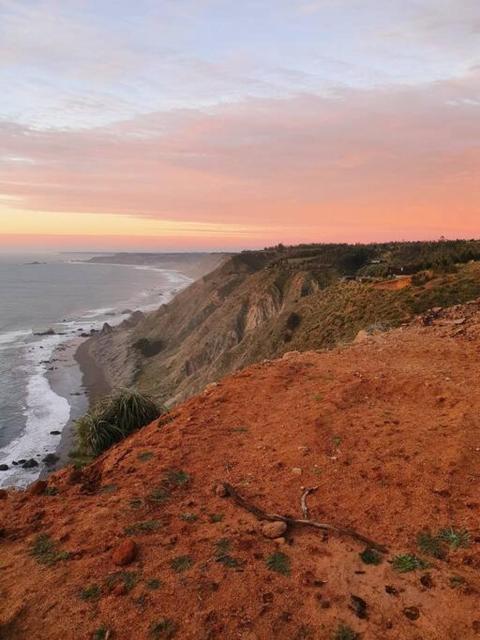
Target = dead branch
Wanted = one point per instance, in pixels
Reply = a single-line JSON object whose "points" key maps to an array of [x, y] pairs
{"points": [[303, 500], [273, 517]]}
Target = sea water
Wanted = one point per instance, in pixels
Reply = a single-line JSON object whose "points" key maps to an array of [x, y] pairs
{"points": [[63, 293]]}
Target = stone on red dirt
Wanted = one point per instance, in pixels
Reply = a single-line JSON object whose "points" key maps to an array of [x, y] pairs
{"points": [[125, 553], [273, 530], [220, 491], [3, 494]]}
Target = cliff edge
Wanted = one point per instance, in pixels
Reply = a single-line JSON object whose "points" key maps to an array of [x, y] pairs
{"points": [[147, 542]]}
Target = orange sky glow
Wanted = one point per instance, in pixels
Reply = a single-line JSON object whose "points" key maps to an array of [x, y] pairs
{"points": [[245, 153]]}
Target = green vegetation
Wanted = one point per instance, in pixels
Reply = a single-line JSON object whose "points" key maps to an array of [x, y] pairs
{"points": [[216, 517], [113, 419], [456, 582], [178, 478], [408, 562], [100, 634], [128, 578], [174, 479], [92, 592], [142, 527], [279, 562], [455, 538], [181, 563], [344, 632], [431, 545], [144, 456], [163, 629], [222, 548], [371, 556], [45, 551], [189, 517], [153, 584]]}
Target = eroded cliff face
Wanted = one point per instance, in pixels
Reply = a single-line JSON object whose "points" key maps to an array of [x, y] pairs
{"points": [[207, 331], [256, 306]]}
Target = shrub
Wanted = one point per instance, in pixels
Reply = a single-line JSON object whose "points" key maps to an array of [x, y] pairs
{"points": [[408, 562], [113, 419], [456, 538], [343, 632], [279, 562], [45, 551]]}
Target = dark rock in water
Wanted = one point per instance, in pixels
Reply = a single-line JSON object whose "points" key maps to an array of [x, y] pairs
{"points": [[55, 433], [126, 312], [84, 335], [30, 464], [21, 461], [4, 467], [50, 459], [47, 332], [15, 463]]}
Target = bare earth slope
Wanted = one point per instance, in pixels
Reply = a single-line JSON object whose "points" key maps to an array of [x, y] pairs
{"points": [[387, 429]]}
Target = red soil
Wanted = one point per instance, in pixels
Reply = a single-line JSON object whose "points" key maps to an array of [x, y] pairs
{"points": [[389, 431], [394, 285]]}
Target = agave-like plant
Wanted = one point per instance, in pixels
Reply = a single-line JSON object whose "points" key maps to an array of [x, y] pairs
{"points": [[113, 419]]}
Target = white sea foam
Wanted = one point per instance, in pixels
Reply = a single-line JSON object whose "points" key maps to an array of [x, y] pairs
{"points": [[46, 411], [12, 336]]}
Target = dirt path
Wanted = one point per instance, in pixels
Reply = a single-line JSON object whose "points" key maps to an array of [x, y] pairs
{"points": [[389, 432]]}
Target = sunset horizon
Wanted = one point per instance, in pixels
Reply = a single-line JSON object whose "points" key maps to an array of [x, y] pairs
{"points": [[212, 126]]}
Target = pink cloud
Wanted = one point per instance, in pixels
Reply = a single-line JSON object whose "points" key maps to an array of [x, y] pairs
{"points": [[401, 161]]}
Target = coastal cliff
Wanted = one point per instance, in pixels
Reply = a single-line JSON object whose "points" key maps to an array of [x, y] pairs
{"points": [[260, 304]]}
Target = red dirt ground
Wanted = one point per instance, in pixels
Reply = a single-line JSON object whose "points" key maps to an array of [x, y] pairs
{"points": [[389, 431]]}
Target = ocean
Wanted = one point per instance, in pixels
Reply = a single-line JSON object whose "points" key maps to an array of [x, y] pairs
{"points": [[62, 293]]}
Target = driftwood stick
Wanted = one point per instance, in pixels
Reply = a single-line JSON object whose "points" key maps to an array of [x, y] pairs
{"points": [[303, 500], [272, 517]]}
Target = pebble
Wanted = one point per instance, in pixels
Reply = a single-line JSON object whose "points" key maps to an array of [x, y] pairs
{"points": [[273, 530], [125, 553]]}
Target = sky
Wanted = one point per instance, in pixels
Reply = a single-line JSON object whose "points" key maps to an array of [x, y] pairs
{"points": [[218, 124]]}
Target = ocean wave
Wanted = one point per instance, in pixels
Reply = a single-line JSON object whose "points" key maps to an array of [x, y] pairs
{"points": [[12, 336], [44, 411]]}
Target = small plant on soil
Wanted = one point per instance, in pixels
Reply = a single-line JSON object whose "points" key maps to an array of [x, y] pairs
{"points": [[45, 551], [113, 419], [144, 456], [92, 592], [128, 578], [408, 562], [222, 548], [456, 582], [189, 517], [100, 634], [371, 556], [279, 562], [216, 517], [178, 478], [181, 563], [431, 545], [344, 632], [153, 584], [142, 527], [136, 503], [455, 538], [164, 629]]}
